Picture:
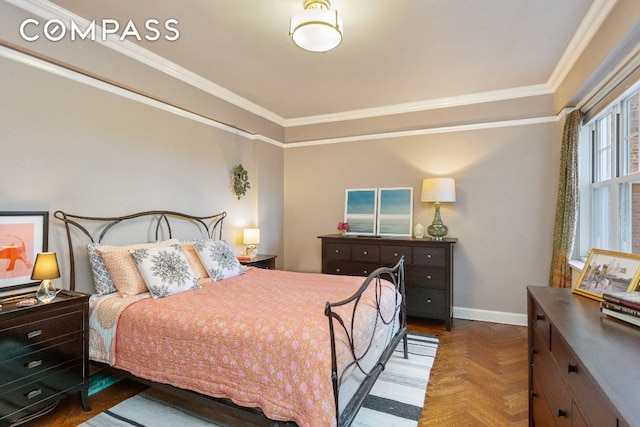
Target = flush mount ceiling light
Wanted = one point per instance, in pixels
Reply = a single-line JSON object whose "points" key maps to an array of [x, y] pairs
{"points": [[317, 28]]}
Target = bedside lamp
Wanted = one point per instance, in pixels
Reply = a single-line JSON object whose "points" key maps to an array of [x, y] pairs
{"points": [[46, 268], [438, 190], [251, 238]]}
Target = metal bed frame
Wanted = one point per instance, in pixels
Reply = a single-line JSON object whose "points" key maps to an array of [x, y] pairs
{"points": [[211, 227]]}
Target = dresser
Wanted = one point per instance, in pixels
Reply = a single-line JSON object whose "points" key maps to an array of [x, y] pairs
{"points": [[428, 267], [583, 367], [43, 355]]}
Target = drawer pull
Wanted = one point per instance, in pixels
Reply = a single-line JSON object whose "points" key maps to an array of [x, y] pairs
{"points": [[539, 316], [562, 413], [571, 368], [33, 393], [337, 251], [33, 364], [429, 276], [337, 270], [533, 394], [533, 351], [428, 300], [395, 254], [365, 252], [34, 334], [428, 255], [365, 272]]}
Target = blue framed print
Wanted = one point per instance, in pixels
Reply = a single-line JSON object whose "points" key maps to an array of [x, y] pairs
{"points": [[395, 211], [360, 210]]}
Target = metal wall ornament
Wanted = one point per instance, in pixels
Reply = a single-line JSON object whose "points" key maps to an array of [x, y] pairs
{"points": [[240, 181]]}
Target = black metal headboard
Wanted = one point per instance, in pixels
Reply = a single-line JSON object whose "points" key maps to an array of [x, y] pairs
{"points": [[208, 226]]}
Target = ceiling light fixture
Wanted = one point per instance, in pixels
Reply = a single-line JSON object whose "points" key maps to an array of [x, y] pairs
{"points": [[318, 28]]}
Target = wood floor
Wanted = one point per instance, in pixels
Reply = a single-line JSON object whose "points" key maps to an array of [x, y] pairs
{"points": [[479, 378]]}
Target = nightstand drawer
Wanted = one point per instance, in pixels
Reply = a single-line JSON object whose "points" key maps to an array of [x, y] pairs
{"points": [[430, 257], [426, 302], [39, 331], [13, 401], [337, 251], [426, 277], [366, 253], [390, 255], [34, 361]]}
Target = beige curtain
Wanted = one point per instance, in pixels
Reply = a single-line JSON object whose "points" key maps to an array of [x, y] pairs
{"points": [[567, 205]]}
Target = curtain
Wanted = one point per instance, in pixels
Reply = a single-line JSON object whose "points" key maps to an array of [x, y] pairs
{"points": [[567, 204]]}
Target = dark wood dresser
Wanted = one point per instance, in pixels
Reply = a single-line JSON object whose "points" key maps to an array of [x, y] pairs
{"points": [[428, 267], [583, 365], [44, 355]]}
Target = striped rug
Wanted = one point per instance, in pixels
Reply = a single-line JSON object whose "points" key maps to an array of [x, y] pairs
{"points": [[396, 399]]}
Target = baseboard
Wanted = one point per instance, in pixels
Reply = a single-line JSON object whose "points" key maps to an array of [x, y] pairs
{"points": [[490, 316]]}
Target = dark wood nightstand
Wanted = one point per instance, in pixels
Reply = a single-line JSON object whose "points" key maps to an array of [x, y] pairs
{"points": [[44, 354], [268, 262]]}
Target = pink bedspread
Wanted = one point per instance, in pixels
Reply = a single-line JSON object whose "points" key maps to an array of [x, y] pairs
{"points": [[260, 339]]}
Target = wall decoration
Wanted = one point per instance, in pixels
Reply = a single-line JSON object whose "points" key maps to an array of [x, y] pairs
{"points": [[608, 271], [395, 211], [240, 181], [22, 236], [360, 211]]}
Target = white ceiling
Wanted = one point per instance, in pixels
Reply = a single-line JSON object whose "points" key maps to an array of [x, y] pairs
{"points": [[393, 52]]}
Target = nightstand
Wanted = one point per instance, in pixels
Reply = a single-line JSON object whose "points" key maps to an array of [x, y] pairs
{"points": [[268, 262], [44, 355]]}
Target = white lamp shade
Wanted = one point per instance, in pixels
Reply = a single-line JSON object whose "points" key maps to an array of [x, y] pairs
{"points": [[251, 236], [316, 30], [438, 190], [45, 267]]}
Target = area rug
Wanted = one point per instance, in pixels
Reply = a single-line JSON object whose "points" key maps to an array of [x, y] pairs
{"points": [[396, 399]]}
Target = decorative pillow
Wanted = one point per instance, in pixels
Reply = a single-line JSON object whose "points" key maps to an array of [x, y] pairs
{"points": [[194, 261], [218, 259], [122, 268], [101, 278], [165, 270]]}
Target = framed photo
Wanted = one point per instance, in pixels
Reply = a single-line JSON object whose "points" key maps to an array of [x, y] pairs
{"points": [[608, 271], [22, 236], [360, 211], [395, 211]]}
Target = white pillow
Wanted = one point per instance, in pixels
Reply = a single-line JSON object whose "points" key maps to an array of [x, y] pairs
{"points": [[165, 270], [218, 259]]}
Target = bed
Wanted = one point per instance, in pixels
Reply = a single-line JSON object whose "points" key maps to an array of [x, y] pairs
{"points": [[302, 348]]}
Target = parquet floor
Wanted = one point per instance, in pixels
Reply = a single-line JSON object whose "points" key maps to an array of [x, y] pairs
{"points": [[479, 378]]}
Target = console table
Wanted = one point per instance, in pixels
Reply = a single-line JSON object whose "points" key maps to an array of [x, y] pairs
{"points": [[428, 267], [583, 368]]}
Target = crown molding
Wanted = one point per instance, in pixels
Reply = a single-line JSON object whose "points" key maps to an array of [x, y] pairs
{"points": [[589, 26]]}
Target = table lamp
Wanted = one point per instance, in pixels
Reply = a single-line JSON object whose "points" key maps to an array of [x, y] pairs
{"points": [[46, 268], [251, 238], [438, 190]]}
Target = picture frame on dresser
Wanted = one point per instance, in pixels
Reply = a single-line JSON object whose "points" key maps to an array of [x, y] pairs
{"points": [[23, 235], [395, 211], [360, 209], [608, 271]]}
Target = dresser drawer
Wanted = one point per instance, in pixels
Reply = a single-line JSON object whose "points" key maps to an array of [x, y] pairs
{"points": [[30, 394], [540, 322], [348, 268], [593, 403], [337, 251], [390, 255], [34, 361], [426, 302], [366, 253], [430, 257], [426, 277]]}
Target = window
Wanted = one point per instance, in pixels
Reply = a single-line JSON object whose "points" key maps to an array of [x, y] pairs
{"points": [[610, 175]]}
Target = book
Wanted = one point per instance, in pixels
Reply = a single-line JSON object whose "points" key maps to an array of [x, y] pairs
{"points": [[629, 299], [620, 308], [622, 316]]}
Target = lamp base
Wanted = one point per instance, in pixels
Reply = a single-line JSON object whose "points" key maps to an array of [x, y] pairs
{"points": [[437, 230], [252, 250], [46, 292]]}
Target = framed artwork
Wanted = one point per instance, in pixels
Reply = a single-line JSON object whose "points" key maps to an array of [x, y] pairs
{"points": [[395, 211], [22, 236], [607, 271], [360, 209]]}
